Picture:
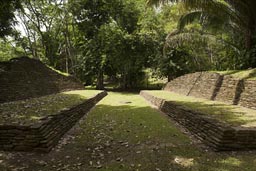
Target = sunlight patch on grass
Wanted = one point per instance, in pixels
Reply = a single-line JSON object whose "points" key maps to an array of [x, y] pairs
{"points": [[82, 93], [231, 161], [231, 114], [185, 162]]}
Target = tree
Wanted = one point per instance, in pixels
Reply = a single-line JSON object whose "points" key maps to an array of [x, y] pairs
{"points": [[9, 51], [108, 39], [7, 9], [50, 31], [227, 16]]}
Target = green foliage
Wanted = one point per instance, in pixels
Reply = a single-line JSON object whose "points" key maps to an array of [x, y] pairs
{"points": [[175, 63], [114, 40], [232, 22], [7, 9], [49, 33], [9, 51]]}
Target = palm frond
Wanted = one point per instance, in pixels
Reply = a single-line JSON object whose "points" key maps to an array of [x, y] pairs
{"points": [[232, 16], [214, 15], [177, 39], [189, 18], [157, 2]]}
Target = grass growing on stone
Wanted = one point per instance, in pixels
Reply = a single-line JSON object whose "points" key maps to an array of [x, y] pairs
{"points": [[240, 74], [31, 110], [123, 133], [58, 71], [231, 114]]}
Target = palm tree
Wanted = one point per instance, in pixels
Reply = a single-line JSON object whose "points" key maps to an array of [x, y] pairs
{"points": [[234, 16]]}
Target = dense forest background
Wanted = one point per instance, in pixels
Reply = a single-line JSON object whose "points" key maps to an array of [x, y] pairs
{"points": [[127, 41]]}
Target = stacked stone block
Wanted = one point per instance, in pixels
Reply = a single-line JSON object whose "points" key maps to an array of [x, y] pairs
{"points": [[213, 86], [206, 85], [230, 90], [220, 136], [248, 95], [23, 78], [183, 84], [44, 135]]}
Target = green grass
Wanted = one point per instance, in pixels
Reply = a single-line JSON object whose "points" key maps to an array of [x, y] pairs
{"points": [[234, 115], [123, 133], [31, 110], [240, 74]]}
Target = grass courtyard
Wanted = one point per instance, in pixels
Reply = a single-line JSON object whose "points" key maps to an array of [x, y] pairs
{"points": [[124, 133]]}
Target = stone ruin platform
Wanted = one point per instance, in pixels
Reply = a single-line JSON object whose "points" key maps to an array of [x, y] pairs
{"points": [[41, 132], [221, 126]]}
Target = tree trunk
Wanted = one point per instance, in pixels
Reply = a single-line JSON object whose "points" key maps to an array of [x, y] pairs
{"points": [[248, 39], [100, 81], [170, 77], [250, 32]]}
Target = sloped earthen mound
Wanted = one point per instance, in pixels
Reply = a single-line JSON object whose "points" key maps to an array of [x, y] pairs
{"points": [[23, 78]]}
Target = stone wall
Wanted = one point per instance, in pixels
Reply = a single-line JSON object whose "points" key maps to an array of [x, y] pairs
{"points": [[199, 84], [217, 87], [23, 78], [248, 95], [183, 84], [206, 86], [230, 90], [218, 135], [44, 135]]}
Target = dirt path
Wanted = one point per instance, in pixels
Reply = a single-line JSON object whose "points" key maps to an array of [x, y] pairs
{"points": [[124, 133]]}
